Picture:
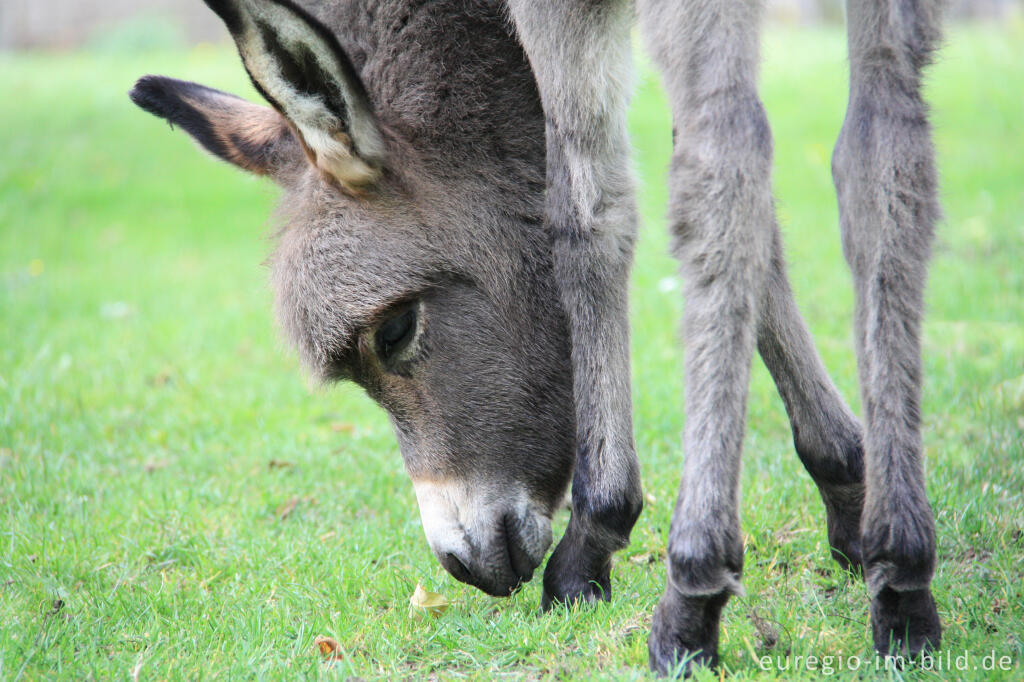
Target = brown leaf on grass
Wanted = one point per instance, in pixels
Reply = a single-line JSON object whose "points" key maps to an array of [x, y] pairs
{"points": [[329, 648], [327, 645], [424, 601], [279, 464], [287, 508]]}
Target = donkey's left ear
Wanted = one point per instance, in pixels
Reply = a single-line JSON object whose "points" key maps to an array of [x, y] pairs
{"points": [[298, 66]]}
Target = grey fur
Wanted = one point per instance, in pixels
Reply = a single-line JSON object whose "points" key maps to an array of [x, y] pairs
{"points": [[722, 215], [885, 178], [482, 400], [515, 374], [581, 56]]}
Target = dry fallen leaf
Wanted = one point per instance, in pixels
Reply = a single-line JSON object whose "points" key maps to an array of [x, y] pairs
{"points": [[328, 645], [424, 601], [329, 648], [287, 508], [279, 464]]}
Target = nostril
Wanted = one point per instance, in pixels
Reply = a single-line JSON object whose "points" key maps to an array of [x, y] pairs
{"points": [[521, 562], [454, 565]]}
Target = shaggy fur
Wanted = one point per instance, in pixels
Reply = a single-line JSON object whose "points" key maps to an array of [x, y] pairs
{"points": [[736, 292]]}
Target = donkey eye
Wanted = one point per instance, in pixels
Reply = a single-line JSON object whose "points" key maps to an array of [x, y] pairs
{"points": [[395, 334]]}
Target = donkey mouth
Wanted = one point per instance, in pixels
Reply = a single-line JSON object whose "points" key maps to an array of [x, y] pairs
{"points": [[500, 570], [490, 539]]}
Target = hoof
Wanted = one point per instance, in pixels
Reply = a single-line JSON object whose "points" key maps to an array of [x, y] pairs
{"points": [[684, 633], [843, 507], [905, 623], [844, 541], [566, 582]]}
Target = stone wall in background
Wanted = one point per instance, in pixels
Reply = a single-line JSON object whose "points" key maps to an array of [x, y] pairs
{"points": [[127, 24], [65, 24]]}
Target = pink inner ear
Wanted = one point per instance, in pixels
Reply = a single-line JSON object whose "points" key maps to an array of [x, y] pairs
{"points": [[254, 137]]}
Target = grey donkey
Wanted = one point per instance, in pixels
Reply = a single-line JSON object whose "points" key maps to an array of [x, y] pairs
{"points": [[422, 258]]}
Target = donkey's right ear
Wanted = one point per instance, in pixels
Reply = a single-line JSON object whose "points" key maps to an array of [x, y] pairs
{"points": [[253, 137], [298, 65]]}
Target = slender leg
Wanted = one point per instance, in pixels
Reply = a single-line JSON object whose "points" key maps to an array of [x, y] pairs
{"points": [[825, 432], [886, 183], [581, 55], [721, 216]]}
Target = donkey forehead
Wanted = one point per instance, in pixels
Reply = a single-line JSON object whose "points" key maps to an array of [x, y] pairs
{"points": [[338, 274]]}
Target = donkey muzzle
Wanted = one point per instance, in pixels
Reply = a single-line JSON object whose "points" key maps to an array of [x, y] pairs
{"points": [[485, 538]]}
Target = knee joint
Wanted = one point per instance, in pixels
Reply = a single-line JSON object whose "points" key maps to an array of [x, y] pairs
{"points": [[721, 180], [725, 140], [705, 561]]}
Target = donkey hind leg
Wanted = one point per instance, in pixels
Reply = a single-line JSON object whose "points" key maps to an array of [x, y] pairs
{"points": [[886, 182], [721, 216], [826, 434], [581, 55]]}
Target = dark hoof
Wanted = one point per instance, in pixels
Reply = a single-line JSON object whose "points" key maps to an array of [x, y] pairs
{"points": [[567, 582], [905, 623], [844, 541], [843, 507], [684, 633]]}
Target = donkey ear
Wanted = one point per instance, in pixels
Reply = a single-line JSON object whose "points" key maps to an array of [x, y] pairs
{"points": [[251, 136], [298, 66]]}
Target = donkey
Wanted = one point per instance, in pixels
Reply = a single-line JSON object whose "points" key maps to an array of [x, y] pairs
{"points": [[459, 224]]}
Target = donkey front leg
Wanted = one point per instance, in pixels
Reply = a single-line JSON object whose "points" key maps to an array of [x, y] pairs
{"points": [[581, 55], [721, 216], [886, 182]]}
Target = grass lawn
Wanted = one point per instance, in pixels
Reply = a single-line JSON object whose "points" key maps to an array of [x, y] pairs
{"points": [[154, 430]]}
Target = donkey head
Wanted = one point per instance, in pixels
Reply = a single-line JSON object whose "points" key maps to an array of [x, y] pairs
{"points": [[412, 259]]}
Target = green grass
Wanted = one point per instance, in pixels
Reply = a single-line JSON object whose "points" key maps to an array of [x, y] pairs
{"points": [[144, 394]]}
